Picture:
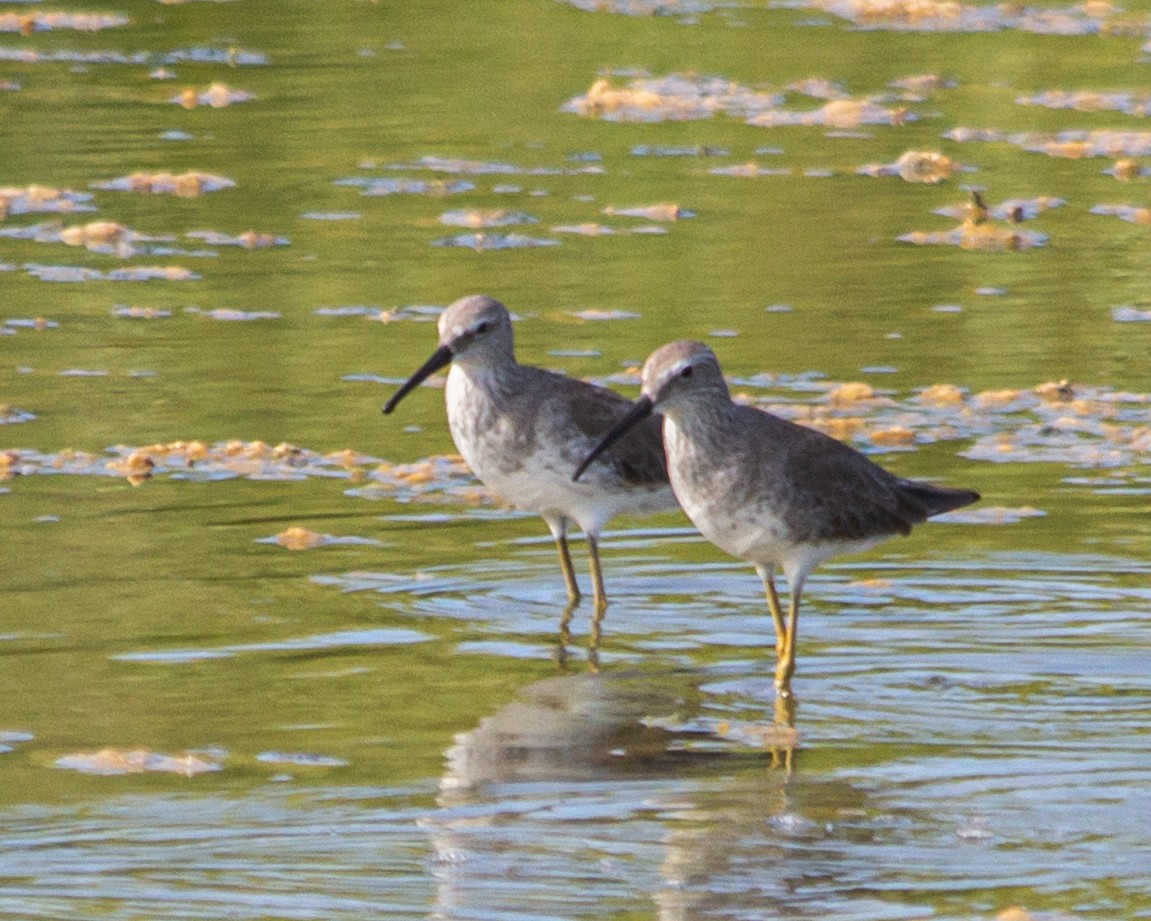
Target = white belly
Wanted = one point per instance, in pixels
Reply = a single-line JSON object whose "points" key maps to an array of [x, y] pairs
{"points": [[528, 470]]}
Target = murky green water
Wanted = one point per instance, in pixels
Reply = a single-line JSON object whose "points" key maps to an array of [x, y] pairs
{"points": [[200, 723]]}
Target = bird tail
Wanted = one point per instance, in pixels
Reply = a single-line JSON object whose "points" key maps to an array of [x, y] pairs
{"points": [[935, 500]]}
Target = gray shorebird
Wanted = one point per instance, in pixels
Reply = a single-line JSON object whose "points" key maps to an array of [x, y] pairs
{"points": [[765, 489], [522, 429]]}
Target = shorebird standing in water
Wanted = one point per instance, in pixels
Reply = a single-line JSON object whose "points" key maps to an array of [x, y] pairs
{"points": [[522, 429], [765, 489]]}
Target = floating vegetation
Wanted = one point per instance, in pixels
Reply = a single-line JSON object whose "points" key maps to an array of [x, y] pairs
{"points": [[1130, 213], [1091, 101], [41, 198], [658, 150], [233, 315], [601, 315], [1125, 170], [216, 96], [299, 538], [182, 185], [109, 762], [439, 479], [140, 313], [195, 459], [232, 57], [301, 759], [10, 738], [749, 171], [482, 242], [992, 514], [493, 217], [419, 313], [650, 7], [1091, 18], [661, 212], [106, 237], [1012, 209], [978, 231], [676, 97], [32, 323], [918, 86], [456, 165], [384, 186], [928, 166], [839, 113], [1071, 145], [10, 415], [332, 215], [28, 23], [249, 239], [1130, 315], [589, 229], [74, 274]]}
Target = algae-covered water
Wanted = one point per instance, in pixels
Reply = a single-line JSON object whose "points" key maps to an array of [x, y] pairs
{"points": [[267, 653]]}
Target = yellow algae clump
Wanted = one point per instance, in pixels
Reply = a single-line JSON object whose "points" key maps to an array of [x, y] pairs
{"points": [[216, 96], [896, 436], [1126, 169], [347, 458], [182, 185], [1015, 913], [111, 761], [603, 97], [588, 229], [852, 113], [871, 585], [840, 428], [28, 23], [250, 239], [95, 233], [988, 236], [660, 212], [9, 461], [297, 538], [997, 399], [850, 394], [195, 451], [928, 166], [942, 395], [1056, 391], [135, 467]]}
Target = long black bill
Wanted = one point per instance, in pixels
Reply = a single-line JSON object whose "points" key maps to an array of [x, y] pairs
{"points": [[440, 358], [640, 411]]}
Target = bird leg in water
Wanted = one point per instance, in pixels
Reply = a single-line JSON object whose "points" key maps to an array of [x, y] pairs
{"points": [[598, 594], [569, 572], [767, 573], [785, 666]]}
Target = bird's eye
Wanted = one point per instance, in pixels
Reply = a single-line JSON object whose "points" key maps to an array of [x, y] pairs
{"points": [[483, 327], [686, 372]]}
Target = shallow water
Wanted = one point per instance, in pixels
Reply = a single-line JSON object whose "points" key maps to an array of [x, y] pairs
{"points": [[244, 226]]}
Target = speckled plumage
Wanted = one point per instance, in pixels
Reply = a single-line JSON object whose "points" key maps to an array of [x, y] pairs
{"points": [[522, 429], [767, 490]]}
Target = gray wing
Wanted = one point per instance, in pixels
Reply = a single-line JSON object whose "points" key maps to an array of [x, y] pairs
{"points": [[586, 413], [839, 494]]}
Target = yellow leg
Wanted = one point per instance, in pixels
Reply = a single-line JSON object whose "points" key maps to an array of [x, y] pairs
{"points": [[783, 752], [569, 572], [598, 594], [785, 666], [768, 575]]}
